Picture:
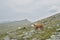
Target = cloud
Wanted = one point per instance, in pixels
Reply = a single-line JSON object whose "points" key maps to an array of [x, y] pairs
{"points": [[37, 6], [54, 9], [31, 9], [28, 6]]}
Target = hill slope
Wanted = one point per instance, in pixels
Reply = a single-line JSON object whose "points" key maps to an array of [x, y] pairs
{"points": [[51, 21], [29, 33], [13, 25]]}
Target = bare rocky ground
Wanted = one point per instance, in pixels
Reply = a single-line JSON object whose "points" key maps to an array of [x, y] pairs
{"points": [[50, 32], [32, 34]]}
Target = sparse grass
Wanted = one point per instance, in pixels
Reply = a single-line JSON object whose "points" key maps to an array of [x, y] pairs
{"points": [[2, 35], [50, 22], [45, 35]]}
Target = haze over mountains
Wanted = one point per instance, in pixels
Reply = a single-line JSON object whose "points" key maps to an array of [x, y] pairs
{"points": [[31, 9], [50, 18], [51, 24], [13, 25]]}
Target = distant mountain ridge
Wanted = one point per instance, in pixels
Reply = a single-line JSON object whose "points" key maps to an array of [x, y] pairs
{"points": [[50, 25], [49, 21], [13, 25], [52, 20]]}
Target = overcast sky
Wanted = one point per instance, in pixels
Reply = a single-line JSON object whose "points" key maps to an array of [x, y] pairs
{"points": [[27, 9]]}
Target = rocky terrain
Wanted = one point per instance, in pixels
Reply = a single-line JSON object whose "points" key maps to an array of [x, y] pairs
{"points": [[27, 32]]}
